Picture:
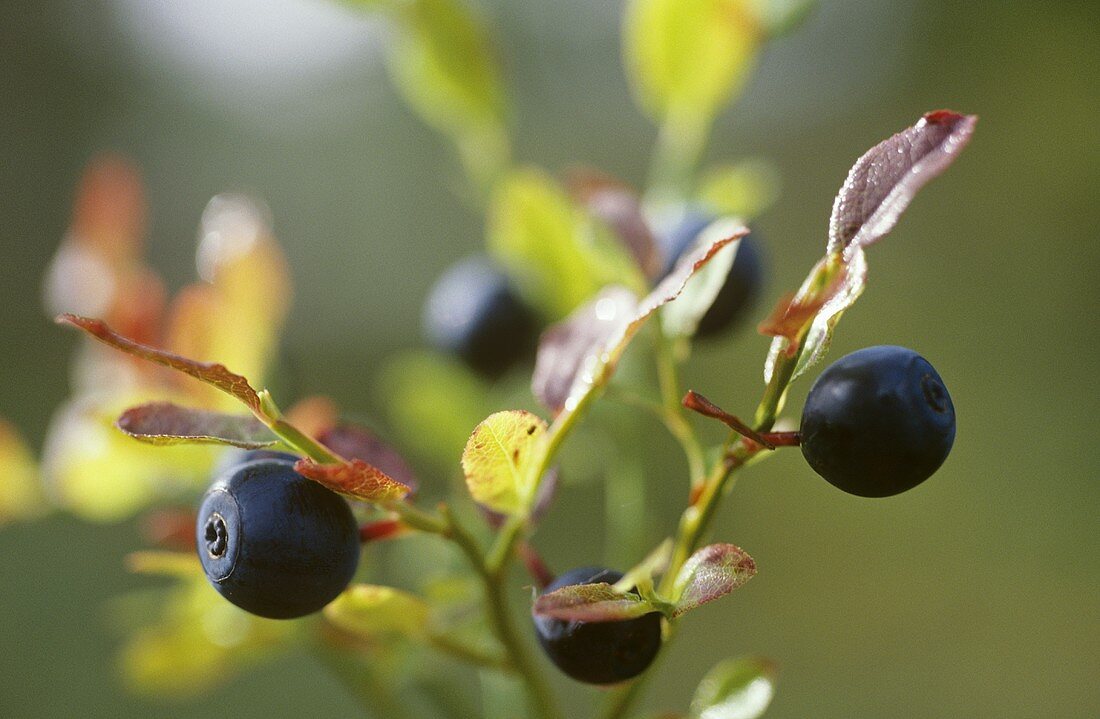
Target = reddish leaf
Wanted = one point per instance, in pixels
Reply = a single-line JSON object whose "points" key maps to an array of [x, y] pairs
{"points": [[110, 209], [710, 573], [618, 206], [355, 442], [211, 373], [883, 182], [167, 423], [794, 311], [591, 603], [355, 478]]}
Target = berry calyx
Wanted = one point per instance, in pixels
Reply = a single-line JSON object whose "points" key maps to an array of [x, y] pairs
{"points": [[275, 543], [878, 422], [598, 652]]}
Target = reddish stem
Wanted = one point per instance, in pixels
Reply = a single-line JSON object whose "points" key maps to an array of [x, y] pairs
{"points": [[382, 529], [698, 403], [535, 566], [783, 439]]}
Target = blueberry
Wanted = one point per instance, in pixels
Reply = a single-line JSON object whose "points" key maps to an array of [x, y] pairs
{"points": [[233, 458], [878, 422], [741, 290], [474, 313], [275, 543], [599, 652]]}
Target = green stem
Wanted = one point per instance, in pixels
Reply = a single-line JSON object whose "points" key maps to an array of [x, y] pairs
{"points": [[471, 655], [673, 415], [492, 573]]}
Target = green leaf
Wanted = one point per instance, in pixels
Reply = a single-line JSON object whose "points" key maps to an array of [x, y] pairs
{"points": [[680, 318], [442, 64], [600, 602], [558, 255], [711, 572], [500, 458], [735, 689], [371, 611], [687, 58], [745, 189], [167, 423]]}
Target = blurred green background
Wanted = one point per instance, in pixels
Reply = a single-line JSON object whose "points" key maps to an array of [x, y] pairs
{"points": [[976, 595]]}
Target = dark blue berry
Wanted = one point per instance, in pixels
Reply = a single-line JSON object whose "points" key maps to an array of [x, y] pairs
{"points": [[599, 652], [275, 543], [233, 458], [474, 312], [878, 422], [741, 290]]}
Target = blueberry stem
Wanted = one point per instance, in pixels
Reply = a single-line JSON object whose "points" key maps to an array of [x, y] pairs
{"points": [[673, 416]]}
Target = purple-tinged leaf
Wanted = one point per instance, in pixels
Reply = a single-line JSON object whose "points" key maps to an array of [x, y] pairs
{"points": [[209, 372], [582, 351], [354, 442], [618, 206], [167, 423], [710, 573], [599, 602], [570, 351], [354, 478], [883, 182]]}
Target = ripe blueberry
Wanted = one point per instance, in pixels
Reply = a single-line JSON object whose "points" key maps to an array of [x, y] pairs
{"points": [[598, 652], [743, 283], [474, 313], [275, 543], [233, 458], [878, 422]]}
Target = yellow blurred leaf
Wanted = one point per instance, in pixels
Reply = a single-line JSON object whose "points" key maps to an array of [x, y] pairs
{"points": [[94, 470], [687, 58], [20, 490], [499, 460], [199, 641], [370, 611]]}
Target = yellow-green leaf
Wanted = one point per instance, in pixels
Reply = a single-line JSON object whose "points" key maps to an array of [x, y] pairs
{"points": [[20, 490], [369, 610], [558, 256], [500, 460], [687, 58], [443, 65]]}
